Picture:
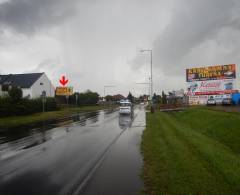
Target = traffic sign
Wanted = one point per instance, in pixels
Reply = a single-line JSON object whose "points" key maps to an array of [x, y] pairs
{"points": [[64, 91], [63, 81]]}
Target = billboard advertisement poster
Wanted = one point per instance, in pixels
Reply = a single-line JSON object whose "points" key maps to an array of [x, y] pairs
{"points": [[202, 99], [198, 99], [193, 100], [64, 91], [212, 87], [219, 72]]}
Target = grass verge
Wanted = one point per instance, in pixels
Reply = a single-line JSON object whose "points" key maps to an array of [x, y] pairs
{"points": [[10, 122], [192, 152]]}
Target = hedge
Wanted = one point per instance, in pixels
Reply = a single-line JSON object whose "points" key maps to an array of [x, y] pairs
{"points": [[9, 107]]}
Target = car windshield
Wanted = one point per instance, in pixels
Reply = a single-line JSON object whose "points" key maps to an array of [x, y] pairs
{"points": [[125, 104]]}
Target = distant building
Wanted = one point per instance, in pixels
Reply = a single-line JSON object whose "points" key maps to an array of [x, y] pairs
{"points": [[32, 84], [118, 97], [177, 97], [178, 93]]}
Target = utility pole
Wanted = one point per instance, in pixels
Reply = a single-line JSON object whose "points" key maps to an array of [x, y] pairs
{"points": [[151, 96], [149, 86], [104, 89], [151, 74]]}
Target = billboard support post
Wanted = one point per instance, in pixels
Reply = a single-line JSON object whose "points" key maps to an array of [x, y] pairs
{"points": [[67, 97]]}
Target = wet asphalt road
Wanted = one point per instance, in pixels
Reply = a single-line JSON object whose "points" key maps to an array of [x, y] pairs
{"points": [[97, 154]]}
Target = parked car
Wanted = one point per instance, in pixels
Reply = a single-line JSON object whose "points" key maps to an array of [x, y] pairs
{"points": [[125, 107], [227, 101], [211, 101]]}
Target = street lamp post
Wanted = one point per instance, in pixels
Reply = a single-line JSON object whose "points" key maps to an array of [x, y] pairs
{"points": [[76, 98], [151, 77], [147, 83], [43, 98]]}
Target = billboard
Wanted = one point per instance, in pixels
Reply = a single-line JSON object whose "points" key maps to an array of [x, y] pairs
{"points": [[64, 91], [211, 73], [196, 100], [202, 99], [212, 87]]}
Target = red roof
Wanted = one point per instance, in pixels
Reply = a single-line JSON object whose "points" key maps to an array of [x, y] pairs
{"points": [[118, 97]]}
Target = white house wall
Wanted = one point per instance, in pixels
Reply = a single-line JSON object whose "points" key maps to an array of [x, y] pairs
{"points": [[27, 92], [47, 86], [3, 93]]}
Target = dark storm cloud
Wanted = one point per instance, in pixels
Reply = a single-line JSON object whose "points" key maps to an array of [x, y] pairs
{"points": [[29, 16], [82, 36], [192, 24]]}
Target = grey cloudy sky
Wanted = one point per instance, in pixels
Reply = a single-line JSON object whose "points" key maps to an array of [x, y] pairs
{"points": [[97, 42]]}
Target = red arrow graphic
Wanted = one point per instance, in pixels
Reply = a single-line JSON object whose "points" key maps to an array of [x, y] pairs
{"points": [[63, 81]]}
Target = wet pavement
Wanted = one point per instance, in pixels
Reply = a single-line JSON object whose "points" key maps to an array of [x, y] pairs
{"points": [[96, 153]]}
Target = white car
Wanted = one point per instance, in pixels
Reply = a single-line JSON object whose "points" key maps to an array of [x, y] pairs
{"points": [[125, 107], [211, 101]]}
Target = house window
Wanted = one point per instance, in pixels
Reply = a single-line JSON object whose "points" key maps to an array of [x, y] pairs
{"points": [[5, 87]]}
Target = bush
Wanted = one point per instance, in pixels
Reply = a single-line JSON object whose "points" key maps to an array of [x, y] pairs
{"points": [[51, 104], [15, 93], [87, 98], [25, 106]]}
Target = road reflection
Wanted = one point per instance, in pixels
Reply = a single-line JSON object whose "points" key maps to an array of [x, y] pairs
{"points": [[70, 154], [33, 179], [25, 137], [125, 121]]}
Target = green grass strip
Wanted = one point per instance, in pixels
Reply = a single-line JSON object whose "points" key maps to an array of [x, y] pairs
{"points": [[10, 122], [181, 160]]}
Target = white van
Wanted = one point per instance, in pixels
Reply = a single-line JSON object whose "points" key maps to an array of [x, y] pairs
{"points": [[125, 107]]}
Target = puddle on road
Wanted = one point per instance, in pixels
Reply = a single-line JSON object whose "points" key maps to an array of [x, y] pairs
{"points": [[125, 122]]}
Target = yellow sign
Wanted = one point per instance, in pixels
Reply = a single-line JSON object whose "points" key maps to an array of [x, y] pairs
{"points": [[64, 91], [211, 73]]}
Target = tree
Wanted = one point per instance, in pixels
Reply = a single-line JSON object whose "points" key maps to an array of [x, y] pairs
{"points": [[88, 98], [109, 98], [154, 98], [92, 97], [130, 97], [15, 93], [164, 98]]}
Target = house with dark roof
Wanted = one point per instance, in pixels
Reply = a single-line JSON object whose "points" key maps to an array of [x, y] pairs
{"points": [[32, 84]]}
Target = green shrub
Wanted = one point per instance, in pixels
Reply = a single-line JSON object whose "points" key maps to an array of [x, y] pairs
{"points": [[51, 104], [24, 106], [15, 93]]}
